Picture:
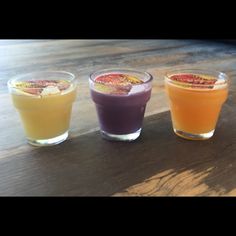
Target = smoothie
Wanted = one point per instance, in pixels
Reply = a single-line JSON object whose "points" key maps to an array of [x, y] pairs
{"points": [[120, 100]]}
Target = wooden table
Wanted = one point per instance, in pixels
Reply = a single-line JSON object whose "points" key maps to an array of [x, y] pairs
{"points": [[158, 163]]}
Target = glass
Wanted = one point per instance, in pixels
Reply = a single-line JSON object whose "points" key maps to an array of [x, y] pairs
{"points": [[196, 98], [120, 107], [44, 102]]}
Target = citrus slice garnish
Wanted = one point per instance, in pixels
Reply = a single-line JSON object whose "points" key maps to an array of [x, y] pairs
{"points": [[194, 80], [116, 83], [42, 87]]}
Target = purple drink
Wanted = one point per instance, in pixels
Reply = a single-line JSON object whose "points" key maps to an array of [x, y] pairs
{"points": [[120, 97]]}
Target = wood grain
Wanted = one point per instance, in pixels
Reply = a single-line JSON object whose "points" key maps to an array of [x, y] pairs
{"points": [[159, 163]]}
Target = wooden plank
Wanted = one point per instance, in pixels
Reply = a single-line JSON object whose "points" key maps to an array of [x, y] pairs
{"points": [[159, 163]]}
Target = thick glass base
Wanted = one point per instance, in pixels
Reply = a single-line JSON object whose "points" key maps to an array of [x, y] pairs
{"points": [[190, 136], [121, 137], [48, 142]]}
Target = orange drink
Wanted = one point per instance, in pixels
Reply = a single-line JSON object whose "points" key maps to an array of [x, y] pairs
{"points": [[195, 99], [44, 101]]}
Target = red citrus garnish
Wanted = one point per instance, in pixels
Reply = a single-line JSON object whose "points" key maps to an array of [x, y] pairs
{"points": [[36, 87], [194, 80], [33, 91], [116, 83], [111, 79]]}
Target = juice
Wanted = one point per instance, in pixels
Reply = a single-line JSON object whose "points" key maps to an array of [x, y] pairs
{"points": [[120, 98], [195, 103], [45, 108], [45, 117]]}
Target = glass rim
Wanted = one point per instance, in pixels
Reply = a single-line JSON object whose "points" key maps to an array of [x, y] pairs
{"points": [[214, 73], [107, 71], [10, 83]]}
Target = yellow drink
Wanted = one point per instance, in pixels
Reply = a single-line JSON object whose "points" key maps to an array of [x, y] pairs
{"points": [[45, 117], [45, 108]]}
